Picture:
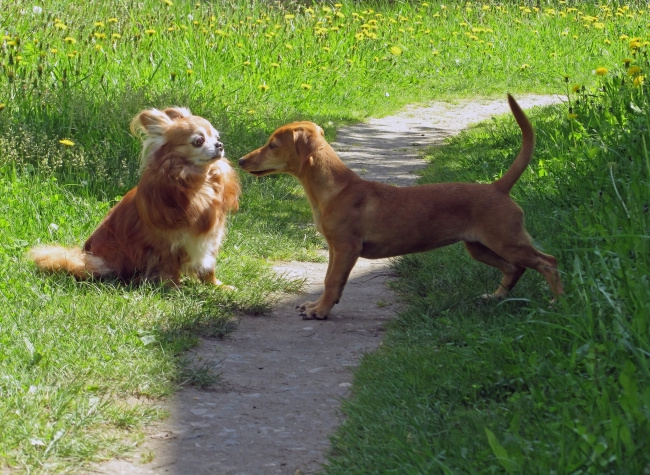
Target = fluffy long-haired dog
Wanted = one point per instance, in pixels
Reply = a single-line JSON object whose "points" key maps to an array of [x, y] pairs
{"points": [[174, 221]]}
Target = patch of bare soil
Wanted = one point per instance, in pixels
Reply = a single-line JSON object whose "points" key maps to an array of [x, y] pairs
{"points": [[282, 378]]}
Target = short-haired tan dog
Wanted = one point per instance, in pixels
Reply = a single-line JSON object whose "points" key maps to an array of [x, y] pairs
{"points": [[361, 218]]}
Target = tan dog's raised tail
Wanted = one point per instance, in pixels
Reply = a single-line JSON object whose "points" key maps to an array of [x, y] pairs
{"points": [[361, 218]]}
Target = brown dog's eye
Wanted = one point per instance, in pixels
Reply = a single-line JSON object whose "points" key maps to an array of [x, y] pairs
{"points": [[199, 141], [273, 145]]}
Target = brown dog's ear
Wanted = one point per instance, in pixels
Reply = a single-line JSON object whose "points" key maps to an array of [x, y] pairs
{"points": [[306, 140], [177, 112], [151, 122]]}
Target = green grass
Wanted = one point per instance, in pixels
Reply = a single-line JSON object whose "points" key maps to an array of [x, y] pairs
{"points": [[75, 355]]}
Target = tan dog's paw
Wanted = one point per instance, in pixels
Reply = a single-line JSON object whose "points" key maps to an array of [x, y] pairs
{"points": [[312, 311]]}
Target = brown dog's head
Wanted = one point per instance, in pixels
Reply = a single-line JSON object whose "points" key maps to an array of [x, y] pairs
{"points": [[287, 151], [175, 130]]}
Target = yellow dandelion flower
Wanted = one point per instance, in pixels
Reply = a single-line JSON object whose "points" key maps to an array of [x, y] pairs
{"points": [[601, 71], [150, 32], [639, 80], [100, 36], [635, 43], [60, 25], [627, 61], [116, 36], [2, 106], [395, 50], [289, 16], [69, 40], [54, 50], [66, 142], [306, 87], [168, 2], [575, 87], [112, 20], [633, 71], [190, 72], [99, 24]]}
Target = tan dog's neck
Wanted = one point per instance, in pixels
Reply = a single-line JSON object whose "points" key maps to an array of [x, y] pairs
{"points": [[323, 177]]}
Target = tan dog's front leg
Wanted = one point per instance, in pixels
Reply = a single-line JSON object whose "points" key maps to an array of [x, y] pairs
{"points": [[341, 262]]}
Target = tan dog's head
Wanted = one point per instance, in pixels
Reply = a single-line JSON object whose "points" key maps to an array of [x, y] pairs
{"points": [[175, 130], [287, 151]]}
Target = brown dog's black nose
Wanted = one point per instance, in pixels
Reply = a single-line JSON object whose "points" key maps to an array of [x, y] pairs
{"points": [[241, 162]]}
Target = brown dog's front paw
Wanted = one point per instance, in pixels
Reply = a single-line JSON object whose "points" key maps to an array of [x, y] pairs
{"points": [[222, 286]]}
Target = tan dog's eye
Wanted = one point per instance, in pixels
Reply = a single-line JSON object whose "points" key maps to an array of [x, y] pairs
{"points": [[199, 141]]}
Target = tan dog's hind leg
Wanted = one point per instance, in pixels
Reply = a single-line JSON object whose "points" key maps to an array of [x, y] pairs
{"points": [[341, 262], [511, 273], [513, 259]]}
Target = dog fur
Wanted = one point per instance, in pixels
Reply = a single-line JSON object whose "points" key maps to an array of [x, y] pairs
{"points": [[361, 218], [174, 221]]}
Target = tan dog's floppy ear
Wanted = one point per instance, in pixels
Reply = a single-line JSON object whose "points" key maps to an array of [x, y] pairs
{"points": [[306, 140]]}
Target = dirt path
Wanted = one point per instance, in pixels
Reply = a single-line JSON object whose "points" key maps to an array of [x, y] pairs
{"points": [[282, 377]]}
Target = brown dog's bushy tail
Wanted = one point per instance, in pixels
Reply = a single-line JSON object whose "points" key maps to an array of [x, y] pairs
{"points": [[507, 181], [54, 258]]}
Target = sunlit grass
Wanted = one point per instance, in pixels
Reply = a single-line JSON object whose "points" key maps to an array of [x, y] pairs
{"points": [[66, 66]]}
